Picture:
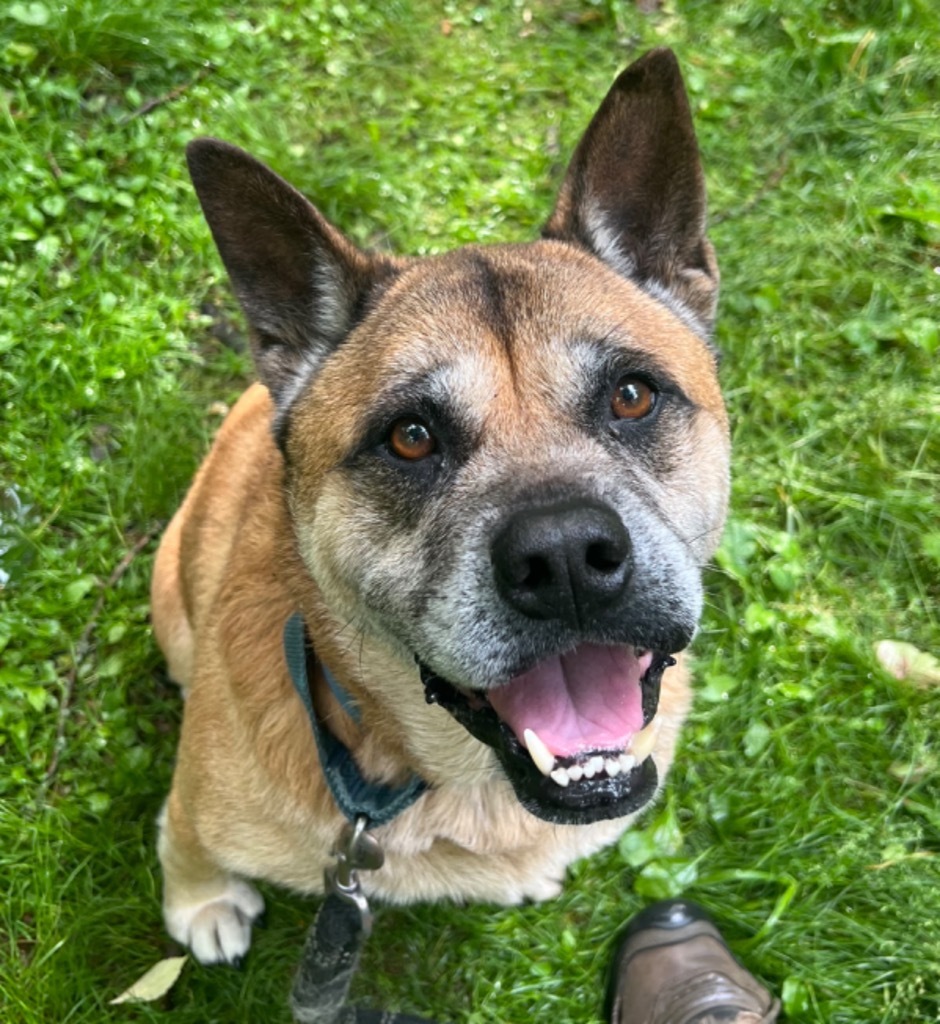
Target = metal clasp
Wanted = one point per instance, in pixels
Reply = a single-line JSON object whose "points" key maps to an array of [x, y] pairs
{"points": [[355, 850]]}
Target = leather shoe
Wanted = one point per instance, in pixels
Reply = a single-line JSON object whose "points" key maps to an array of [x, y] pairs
{"points": [[673, 967]]}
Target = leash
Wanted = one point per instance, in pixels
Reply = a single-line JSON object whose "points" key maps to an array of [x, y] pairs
{"points": [[333, 944]]}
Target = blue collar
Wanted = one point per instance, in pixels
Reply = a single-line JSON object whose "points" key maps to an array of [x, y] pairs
{"points": [[354, 794]]}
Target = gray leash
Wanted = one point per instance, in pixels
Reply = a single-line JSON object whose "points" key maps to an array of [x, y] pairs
{"points": [[331, 951]]}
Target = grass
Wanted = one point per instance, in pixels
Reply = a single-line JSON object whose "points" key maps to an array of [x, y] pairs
{"points": [[804, 808]]}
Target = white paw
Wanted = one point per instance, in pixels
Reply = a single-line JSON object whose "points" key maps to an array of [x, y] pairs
{"points": [[544, 889], [217, 930]]}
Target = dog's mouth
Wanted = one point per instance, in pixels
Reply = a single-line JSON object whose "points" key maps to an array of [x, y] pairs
{"points": [[574, 733]]}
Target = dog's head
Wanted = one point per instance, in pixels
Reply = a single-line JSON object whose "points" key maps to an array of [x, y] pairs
{"points": [[509, 462]]}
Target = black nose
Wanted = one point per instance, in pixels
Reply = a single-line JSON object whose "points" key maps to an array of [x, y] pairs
{"points": [[566, 561]]}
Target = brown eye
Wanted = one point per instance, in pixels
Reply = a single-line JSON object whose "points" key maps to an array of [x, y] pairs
{"points": [[410, 439], [632, 399]]}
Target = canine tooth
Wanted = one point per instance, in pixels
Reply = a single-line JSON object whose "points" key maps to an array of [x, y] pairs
{"points": [[575, 772], [560, 776], [544, 759], [613, 766], [643, 741], [627, 762]]}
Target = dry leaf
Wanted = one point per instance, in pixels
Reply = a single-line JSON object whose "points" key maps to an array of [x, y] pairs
{"points": [[916, 855], [908, 663], [155, 983]]}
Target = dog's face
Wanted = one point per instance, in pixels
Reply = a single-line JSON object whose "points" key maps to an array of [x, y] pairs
{"points": [[510, 462]]}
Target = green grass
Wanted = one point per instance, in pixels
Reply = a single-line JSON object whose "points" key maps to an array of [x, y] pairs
{"points": [[804, 810]]}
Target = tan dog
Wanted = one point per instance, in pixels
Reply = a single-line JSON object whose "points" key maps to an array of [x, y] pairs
{"points": [[487, 481]]}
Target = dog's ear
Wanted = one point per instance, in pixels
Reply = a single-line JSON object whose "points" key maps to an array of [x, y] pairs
{"points": [[301, 283], [634, 193]]}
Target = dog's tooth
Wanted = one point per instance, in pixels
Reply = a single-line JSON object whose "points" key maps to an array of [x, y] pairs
{"points": [[575, 772], [560, 775], [642, 743], [627, 762], [612, 766], [597, 763], [544, 759]]}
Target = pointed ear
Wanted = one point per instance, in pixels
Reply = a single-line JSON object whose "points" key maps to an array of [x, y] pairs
{"points": [[301, 283], [634, 193]]}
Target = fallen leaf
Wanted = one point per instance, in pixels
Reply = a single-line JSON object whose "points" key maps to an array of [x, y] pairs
{"points": [[922, 766], [908, 663], [155, 983], [916, 855]]}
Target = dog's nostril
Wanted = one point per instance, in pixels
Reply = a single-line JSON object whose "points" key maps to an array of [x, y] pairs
{"points": [[539, 573], [604, 557]]}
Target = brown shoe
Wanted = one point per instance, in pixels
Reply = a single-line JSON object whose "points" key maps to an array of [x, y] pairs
{"points": [[673, 967]]}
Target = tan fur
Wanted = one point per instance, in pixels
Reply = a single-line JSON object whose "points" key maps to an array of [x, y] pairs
{"points": [[510, 334], [247, 796]]}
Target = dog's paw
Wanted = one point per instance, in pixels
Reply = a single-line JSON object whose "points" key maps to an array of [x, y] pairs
{"points": [[217, 930], [543, 889]]}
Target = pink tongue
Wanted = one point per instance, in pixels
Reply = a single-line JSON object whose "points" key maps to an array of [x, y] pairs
{"points": [[588, 699]]}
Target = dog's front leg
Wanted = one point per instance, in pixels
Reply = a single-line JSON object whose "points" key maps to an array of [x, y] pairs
{"points": [[205, 907]]}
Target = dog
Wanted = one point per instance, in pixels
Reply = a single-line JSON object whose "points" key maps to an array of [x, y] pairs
{"points": [[482, 486]]}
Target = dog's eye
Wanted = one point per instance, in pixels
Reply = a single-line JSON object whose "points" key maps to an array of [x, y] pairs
{"points": [[632, 399], [411, 439]]}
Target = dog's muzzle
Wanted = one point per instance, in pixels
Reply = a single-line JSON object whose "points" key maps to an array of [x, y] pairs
{"points": [[575, 729]]}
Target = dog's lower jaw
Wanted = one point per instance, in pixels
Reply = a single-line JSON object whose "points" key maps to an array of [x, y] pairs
{"points": [[600, 785]]}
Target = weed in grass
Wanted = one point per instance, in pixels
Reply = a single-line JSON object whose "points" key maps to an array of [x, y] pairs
{"points": [[803, 810]]}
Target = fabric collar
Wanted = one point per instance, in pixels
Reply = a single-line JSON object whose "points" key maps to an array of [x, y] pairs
{"points": [[354, 794]]}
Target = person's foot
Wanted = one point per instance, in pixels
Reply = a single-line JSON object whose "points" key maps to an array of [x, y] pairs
{"points": [[673, 967]]}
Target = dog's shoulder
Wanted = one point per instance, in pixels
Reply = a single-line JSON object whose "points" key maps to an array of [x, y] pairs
{"points": [[236, 502]]}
